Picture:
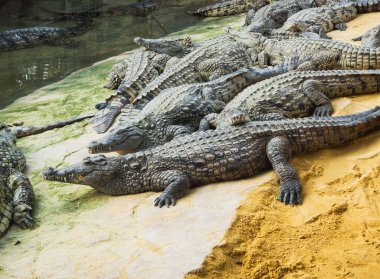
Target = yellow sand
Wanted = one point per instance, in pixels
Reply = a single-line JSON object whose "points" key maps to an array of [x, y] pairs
{"points": [[334, 234]]}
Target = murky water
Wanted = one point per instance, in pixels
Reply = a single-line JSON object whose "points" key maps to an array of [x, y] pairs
{"points": [[23, 71]]}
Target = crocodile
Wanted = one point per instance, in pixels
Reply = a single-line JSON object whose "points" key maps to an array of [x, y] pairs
{"points": [[173, 47], [16, 191], [137, 8], [143, 67], [36, 36], [328, 54], [230, 7], [275, 14], [167, 115], [218, 155], [294, 94], [371, 38], [321, 19]]}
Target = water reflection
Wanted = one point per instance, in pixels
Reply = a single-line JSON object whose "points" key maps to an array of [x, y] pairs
{"points": [[23, 71]]}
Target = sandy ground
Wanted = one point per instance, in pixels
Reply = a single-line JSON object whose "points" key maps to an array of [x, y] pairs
{"points": [[336, 231]]}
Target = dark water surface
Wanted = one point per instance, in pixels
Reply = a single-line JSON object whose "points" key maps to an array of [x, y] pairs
{"points": [[23, 71]]}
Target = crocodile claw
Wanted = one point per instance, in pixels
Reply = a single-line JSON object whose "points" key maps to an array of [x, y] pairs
{"points": [[323, 111], [22, 216], [291, 192], [165, 199]]}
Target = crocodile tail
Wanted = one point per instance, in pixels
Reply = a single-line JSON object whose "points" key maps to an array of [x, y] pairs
{"points": [[6, 205], [23, 131], [365, 122], [367, 6], [106, 114]]}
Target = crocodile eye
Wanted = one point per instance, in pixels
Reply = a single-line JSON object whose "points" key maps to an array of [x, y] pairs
{"points": [[87, 161]]}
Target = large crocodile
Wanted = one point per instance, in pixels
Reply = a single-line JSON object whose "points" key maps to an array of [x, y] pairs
{"points": [[184, 105], [16, 192], [322, 19], [218, 155], [329, 54], [294, 94], [36, 36], [371, 38]]}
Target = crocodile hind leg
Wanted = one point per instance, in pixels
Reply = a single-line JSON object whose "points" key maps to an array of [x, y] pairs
{"points": [[313, 89], [279, 152], [23, 199], [176, 185]]}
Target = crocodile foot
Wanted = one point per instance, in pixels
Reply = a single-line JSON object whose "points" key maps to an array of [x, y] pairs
{"points": [[323, 111], [22, 216], [165, 199], [291, 192]]}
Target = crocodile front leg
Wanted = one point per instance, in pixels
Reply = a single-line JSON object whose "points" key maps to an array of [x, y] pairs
{"points": [[176, 186], [313, 89], [279, 152], [23, 199]]}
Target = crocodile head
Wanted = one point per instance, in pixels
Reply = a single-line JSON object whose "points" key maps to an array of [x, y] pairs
{"points": [[250, 39], [126, 139], [110, 175], [265, 25], [7, 136], [176, 47]]}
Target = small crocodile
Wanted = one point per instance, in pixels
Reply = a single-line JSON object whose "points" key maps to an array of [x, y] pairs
{"points": [[294, 94], [322, 19], [16, 191], [328, 54], [230, 7], [371, 38], [179, 110], [218, 155], [36, 36]]}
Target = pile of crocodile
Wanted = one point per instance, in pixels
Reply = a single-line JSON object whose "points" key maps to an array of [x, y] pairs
{"points": [[192, 113]]}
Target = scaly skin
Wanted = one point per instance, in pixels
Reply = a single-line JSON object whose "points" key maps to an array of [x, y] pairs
{"points": [[117, 74], [173, 47], [294, 94], [143, 67], [178, 110], [230, 7], [36, 36], [367, 6], [275, 14], [218, 155], [322, 19], [329, 54], [205, 63], [371, 38], [16, 192]]}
